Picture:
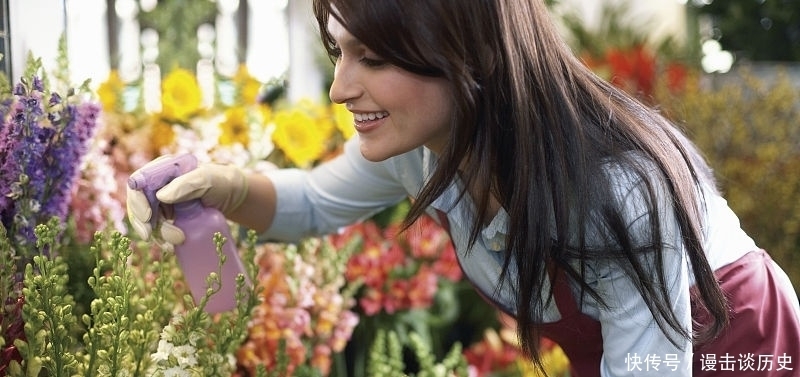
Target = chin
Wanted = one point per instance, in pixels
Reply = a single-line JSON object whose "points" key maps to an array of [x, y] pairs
{"points": [[374, 157], [375, 154]]}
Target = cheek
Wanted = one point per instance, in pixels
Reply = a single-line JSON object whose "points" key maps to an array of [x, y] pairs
{"points": [[433, 99], [437, 119], [439, 107]]}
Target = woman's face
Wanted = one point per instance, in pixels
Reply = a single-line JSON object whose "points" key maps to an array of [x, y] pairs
{"points": [[395, 111]]}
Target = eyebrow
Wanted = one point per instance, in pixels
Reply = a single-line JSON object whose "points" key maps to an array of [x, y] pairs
{"points": [[349, 40]]}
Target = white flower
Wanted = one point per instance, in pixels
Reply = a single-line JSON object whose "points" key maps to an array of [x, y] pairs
{"points": [[176, 372], [169, 331], [185, 355], [163, 351]]}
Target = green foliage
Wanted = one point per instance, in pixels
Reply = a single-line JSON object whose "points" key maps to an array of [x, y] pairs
{"points": [[747, 128], [176, 22], [756, 30], [453, 363], [8, 291], [49, 323], [386, 357], [281, 368], [136, 325]]}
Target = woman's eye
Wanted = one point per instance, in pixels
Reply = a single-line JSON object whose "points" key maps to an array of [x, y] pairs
{"points": [[366, 58], [371, 62]]}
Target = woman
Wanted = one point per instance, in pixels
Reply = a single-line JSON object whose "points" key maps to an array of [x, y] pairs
{"points": [[584, 214]]}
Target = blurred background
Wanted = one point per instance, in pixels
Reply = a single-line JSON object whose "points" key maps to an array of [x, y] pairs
{"points": [[727, 71], [278, 37]]}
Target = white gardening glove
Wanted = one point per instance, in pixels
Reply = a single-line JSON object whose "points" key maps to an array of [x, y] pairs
{"points": [[223, 187]]}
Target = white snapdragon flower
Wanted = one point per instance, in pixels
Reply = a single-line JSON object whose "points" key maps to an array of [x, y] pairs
{"points": [[185, 355], [176, 372], [163, 351]]}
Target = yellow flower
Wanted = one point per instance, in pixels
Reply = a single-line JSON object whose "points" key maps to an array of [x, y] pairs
{"points": [[343, 119], [300, 136], [265, 113], [110, 91], [235, 128], [247, 85], [161, 133], [181, 96], [554, 361]]}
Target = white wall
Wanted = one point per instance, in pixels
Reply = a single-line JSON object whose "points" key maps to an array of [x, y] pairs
{"points": [[36, 26], [88, 41], [305, 77]]}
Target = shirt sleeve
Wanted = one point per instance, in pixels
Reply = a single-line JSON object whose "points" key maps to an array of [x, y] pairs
{"points": [[633, 343], [337, 193]]}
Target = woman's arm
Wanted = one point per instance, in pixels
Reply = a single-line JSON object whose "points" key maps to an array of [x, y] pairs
{"points": [[633, 342], [289, 204], [258, 209]]}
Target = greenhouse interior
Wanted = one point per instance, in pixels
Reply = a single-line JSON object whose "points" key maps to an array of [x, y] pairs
{"points": [[221, 188]]}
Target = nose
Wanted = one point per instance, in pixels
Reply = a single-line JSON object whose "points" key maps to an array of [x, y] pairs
{"points": [[344, 87]]}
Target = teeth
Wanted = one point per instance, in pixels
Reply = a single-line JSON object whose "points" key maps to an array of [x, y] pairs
{"points": [[370, 116]]}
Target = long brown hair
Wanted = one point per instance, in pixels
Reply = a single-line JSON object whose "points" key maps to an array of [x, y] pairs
{"points": [[532, 117]]}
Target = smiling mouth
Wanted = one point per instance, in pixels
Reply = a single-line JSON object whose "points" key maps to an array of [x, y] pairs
{"points": [[363, 117]]}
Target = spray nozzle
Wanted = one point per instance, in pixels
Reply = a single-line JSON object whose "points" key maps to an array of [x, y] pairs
{"points": [[157, 174]]}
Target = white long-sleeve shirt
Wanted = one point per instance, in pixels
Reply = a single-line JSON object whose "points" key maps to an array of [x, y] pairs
{"points": [[350, 188]]}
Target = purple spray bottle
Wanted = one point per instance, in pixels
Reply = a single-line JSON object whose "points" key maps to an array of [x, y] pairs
{"points": [[197, 255]]}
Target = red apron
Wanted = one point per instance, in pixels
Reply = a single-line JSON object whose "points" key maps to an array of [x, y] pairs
{"points": [[762, 340], [576, 333]]}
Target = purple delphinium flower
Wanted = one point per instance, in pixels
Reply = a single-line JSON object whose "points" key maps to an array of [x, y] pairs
{"points": [[5, 131], [65, 154], [41, 147], [38, 84], [23, 147], [9, 169]]}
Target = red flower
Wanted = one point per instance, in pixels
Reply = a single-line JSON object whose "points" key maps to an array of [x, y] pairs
{"points": [[633, 70], [400, 270], [447, 265], [676, 74], [491, 354]]}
